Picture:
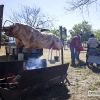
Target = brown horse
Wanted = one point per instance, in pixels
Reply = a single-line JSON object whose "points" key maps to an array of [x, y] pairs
{"points": [[31, 38]]}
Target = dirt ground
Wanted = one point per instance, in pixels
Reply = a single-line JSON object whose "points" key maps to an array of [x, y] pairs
{"points": [[81, 77]]}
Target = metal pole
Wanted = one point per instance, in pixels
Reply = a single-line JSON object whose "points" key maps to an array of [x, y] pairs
{"points": [[65, 40], [1, 18], [60, 28]]}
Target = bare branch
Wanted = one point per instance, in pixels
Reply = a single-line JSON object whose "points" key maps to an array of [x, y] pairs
{"points": [[32, 16], [75, 4]]}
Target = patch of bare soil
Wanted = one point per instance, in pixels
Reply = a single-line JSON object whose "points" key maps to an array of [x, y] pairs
{"points": [[2, 50], [82, 80]]}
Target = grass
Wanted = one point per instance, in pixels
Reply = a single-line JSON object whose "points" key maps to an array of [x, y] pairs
{"points": [[82, 79]]}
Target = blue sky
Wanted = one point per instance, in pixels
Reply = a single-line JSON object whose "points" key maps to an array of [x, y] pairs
{"points": [[55, 8]]}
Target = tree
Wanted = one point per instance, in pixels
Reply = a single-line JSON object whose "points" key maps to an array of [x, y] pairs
{"points": [[32, 16], [55, 31], [83, 28], [97, 34], [79, 4]]}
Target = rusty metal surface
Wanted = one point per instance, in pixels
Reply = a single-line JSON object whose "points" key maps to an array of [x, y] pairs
{"points": [[38, 76], [12, 67], [10, 94], [33, 81], [53, 81]]}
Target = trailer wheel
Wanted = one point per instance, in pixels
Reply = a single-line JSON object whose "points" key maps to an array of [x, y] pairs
{"points": [[98, 65], [88, 64]]}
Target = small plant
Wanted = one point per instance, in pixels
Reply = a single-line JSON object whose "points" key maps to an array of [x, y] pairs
{"points": [[93, 87]]}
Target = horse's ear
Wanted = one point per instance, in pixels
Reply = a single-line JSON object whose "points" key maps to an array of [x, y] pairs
{"points": [[16, 24]]}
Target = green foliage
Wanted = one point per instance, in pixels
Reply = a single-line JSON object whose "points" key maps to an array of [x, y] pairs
{"points": [[83, 28], [97, 34], [4, 38], [55, 32]]}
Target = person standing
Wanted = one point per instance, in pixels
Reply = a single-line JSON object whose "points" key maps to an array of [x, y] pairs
{"points": [[92, 43], [75, 42]]}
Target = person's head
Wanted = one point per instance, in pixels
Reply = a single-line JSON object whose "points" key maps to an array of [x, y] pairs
{"points": [[91, 35]]}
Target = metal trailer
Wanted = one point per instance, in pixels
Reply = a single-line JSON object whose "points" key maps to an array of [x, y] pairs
{"points": [[93, 56], [16, 83]]}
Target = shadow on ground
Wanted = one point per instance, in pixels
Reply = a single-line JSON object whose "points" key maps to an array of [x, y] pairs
{"points": [[6, 58], [57, 92], [95, 68], [79, 64]]}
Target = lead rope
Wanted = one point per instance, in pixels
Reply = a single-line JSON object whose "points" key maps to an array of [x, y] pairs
{"points": [[8, 21], [58, 54], [50, 54]]}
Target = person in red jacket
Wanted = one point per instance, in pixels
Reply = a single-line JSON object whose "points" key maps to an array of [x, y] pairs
{"points": [[75, 42]]}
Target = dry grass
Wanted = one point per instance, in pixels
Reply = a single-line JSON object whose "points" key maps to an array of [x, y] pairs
{"points": [[2, 51], [81, 77]]}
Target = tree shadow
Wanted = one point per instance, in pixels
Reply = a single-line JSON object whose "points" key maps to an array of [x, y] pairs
{"points": [[56, 92]]}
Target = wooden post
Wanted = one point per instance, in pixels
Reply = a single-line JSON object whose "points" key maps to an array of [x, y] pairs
{"points": [[60, 28], [65, 34], [1, 18]]}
